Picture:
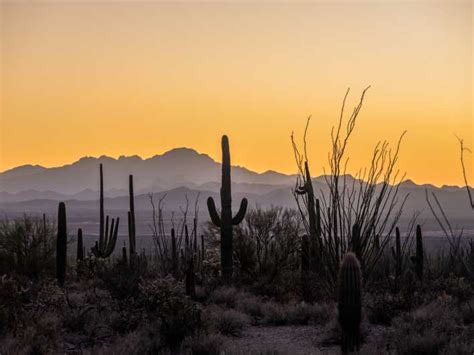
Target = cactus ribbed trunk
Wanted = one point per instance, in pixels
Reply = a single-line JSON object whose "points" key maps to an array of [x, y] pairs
{"points": [[190, 279], [225, 220], [131, 218], [174, 254], [107, 237], [350, 302], [102, 214], [61, 245], [226, 213], [80, 245], [419, 257], [356, 242], [398, 253]]}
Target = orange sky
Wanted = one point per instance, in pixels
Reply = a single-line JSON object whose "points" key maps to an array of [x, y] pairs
{"points": [[123, 78]]}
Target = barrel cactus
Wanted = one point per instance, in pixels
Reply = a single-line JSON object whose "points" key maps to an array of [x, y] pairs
{"points": [[350, 302]]}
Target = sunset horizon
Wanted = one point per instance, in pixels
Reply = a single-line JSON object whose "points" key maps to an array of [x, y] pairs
{"points": [[72, 70]]}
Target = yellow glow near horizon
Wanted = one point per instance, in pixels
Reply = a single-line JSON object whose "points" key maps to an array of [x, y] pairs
{"points": [[123, 78]]}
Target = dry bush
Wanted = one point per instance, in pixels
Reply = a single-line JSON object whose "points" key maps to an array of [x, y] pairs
{"points": [[225, 321], [27, 246], [203, 344], [428, 329]]}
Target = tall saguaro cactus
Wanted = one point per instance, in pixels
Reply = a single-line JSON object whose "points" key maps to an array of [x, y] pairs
{"points": [[350, 302], [61, 245], [107, 238], [397, 253], [80, 246], [225, 221], [131, 218], [419, 253]]}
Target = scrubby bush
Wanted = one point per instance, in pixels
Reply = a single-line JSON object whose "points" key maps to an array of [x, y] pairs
{"points": [[265, 245], [205, 344], [27, 246], [428, 329], [164, 300], [225, 321]]}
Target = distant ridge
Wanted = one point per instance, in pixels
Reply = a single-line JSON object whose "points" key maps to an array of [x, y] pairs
{"points": [[174, 168]]}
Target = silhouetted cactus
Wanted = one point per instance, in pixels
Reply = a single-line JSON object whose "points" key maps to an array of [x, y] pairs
{"points": [[190, 278], [124, 255], [314, 219], [131, 218], [106, 245], [80, 246], [350, 302], [107, 239], [174, 254], [419, 254], [356, 242], [61, 245], [397, 253], [225, 221]]}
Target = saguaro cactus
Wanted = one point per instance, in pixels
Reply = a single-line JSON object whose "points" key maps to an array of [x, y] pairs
{"points": [[80, 246], [107, 239], [131, 218], [419, 253], [350, 302], [397, 253], [356, 242], [61, 245], [225, 221], [314, 218], [106, 245]]}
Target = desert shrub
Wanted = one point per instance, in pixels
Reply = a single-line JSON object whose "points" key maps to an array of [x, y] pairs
{"points": [[382, 307], [226, 321], [226, 295], [13, 296], [122, 281], [296, 313], [427, 329], [203, 344], [164, 299], [457, 287], [27, 246], [252, 306], [274, 314], [265, 245]]}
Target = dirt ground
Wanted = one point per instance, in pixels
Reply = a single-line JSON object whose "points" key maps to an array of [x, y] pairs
{"points": [[294, 340]]}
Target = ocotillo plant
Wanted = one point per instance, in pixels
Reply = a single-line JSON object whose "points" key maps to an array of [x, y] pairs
{"points": [[350, 302], [80, 246], [419, 253], [225, 221], [106, 245], [61, 245], [131, 218]]}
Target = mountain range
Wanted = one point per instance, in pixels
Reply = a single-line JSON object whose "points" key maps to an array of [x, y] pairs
{"points": [[178, 173]]}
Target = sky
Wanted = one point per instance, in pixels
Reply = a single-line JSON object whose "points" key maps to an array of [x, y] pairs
{"points": [[123, 78]]}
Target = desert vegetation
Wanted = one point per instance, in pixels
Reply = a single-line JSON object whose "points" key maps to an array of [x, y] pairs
{"points": [[337, 274]]}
